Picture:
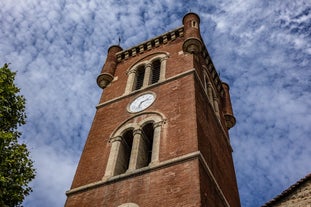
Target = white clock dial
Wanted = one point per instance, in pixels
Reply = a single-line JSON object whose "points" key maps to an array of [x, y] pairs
{"points": [[142, 102]]}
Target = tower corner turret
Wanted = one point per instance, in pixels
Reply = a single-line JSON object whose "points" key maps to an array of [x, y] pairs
{"points": [[193, 43], [108, 70], [227, 107]]}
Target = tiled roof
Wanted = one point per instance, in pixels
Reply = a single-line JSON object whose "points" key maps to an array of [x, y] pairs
{"points": [[288, 191]]}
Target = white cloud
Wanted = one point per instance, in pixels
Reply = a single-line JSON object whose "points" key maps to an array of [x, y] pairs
{"points": [[55, 170], [262, 49]]}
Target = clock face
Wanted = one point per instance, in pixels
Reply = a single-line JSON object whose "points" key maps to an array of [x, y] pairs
{"points": [[142, 102]]}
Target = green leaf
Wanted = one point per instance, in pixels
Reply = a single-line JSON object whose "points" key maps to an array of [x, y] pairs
{"points": [[16, 168]]}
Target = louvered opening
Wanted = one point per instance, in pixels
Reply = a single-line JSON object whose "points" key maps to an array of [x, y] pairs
{"points": [[140, 74], [148, 133], [155, 75], [123, 159]]}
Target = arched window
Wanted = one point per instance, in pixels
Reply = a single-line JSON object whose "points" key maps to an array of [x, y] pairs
{"points": [[134, 146], [145, 151], [147, 72], [124, 152]]}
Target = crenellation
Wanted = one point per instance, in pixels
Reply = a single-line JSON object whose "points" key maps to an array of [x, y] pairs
{"points": [[141, 48], [165, 39], [173, 36], [126, 55], [148, 45], [134, 52], [157, 42]]}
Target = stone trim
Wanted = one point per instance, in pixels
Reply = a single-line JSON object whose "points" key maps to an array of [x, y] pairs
{"points": [[134, 173], [147, 64], [147, 88], [210, 174], [128, 205], [139, 151], [166, 163]]}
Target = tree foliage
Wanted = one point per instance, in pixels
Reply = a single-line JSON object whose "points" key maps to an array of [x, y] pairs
{"points": [[16, 168]]}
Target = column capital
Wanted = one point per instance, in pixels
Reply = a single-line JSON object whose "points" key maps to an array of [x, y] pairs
{"points": [[133, 70], [148, 65], [163, 58], [137, 131], [115, 139], [158, 124]]}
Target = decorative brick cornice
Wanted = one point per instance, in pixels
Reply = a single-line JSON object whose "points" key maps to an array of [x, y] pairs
{"points": [[164, 39], [212, 71], [150, 44]]}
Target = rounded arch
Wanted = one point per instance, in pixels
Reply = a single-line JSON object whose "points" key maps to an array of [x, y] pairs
{"points": [[150, 119], [145, 60], [154, 69], [130, 124], [135, 143], [134, 68], [124, 128]]}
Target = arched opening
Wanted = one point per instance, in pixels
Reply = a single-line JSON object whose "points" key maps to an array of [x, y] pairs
{"points": [[148, 133], [124, 155], [135, 145]]}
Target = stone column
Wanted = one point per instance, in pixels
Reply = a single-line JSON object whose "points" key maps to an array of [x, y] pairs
{"points": [[210, 93], [130, 81], [137, 134], [216, 107], [147, 75], [163, 68], [156, 142], [113, 156]]}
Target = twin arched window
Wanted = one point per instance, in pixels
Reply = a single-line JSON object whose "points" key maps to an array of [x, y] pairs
{"points": [[135, 154], [211, 94], [152, 76], [147, 72], [134, 146]]}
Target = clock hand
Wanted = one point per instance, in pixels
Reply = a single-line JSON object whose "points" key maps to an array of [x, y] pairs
{"points": [[141, 103], [148, 99]]}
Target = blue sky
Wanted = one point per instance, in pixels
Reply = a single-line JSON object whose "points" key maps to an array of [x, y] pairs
{"points": [[261, 48]]}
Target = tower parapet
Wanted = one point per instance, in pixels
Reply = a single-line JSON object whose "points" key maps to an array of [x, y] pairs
{"points": [[109, 67]]}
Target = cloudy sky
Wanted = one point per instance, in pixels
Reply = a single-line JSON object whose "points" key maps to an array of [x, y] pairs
{"points": [[261, 48]]}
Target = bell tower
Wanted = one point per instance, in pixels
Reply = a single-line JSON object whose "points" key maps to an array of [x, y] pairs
{"points": [[160, 133]]}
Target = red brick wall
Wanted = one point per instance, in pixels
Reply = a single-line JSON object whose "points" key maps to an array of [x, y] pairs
{"points": [[215, 149], [174, 99], [189, 126], [177, 185]]}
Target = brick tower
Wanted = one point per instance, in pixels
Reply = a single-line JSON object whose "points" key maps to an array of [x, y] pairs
{"points": [[160, 133]]}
